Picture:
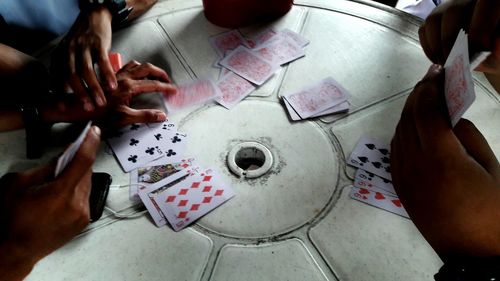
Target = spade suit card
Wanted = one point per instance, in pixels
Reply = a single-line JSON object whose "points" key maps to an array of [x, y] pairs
{"points": [[372, 156]]}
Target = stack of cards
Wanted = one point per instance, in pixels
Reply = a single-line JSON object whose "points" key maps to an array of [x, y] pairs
{"points": [[247, 63], [140, 144], [178, 193], [372, 183], [326, 97]]}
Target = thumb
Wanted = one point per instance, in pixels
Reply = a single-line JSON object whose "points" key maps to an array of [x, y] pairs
{"points": [[477, 147], [82, 162], [131, 116]]}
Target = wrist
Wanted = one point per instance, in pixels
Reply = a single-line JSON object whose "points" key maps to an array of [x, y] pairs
{"points": [[15, 264], [114, 10]]}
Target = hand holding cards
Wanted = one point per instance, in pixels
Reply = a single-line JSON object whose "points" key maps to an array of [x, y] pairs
{"points": [[70, 152]]}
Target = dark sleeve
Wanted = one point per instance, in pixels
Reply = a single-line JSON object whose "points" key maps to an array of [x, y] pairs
{"points": [[470, 269]]}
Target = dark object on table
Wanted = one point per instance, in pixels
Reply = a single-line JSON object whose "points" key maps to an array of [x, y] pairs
{"points": [[98, 194]]}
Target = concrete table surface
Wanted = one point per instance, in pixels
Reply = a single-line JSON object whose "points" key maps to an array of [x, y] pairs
{"points": [[296, 222]]}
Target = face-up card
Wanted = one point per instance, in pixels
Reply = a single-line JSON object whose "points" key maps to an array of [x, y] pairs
{"points": [[383, 201], [146, 176], [70, 152], [372, 156], [458, 87], [227, 41], [280, 51], [147, 195], [248, 65], [233, 89], [191, 94], [137, 148], [364, 179], [313, 100], [299, 39], [174, 146], [166, 126], [185, 202]]}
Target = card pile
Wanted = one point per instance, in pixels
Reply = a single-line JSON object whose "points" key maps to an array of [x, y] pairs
{"points": [[247, 63], [178, 193], [173, 188], [372, 182], [326, 97]]}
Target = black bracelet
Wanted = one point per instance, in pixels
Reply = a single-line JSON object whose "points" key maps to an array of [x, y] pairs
{"points": [[117, 8], [470, 269], [37, 132]]}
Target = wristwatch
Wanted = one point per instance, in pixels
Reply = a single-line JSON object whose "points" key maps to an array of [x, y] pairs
{"points": [[117, 8]]}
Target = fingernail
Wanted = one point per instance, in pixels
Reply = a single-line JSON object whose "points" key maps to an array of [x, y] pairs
{"points": [[88, 106], [97, 130], [113, 85], [161, 117], [435, 68], [99, 101]]}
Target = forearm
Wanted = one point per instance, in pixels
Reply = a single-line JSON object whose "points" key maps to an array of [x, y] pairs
{"points": [[14, 264], [10, 119]]}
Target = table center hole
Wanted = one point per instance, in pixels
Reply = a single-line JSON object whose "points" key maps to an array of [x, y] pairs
{"points": [[250, 158]]}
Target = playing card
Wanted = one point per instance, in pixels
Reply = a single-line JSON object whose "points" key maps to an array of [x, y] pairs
{"points": [[458, 87], [115, 59], [318, 98], [263, 37], [190, 199], [364, 179], [379, 200], [280, 51], [372, 156], [191, 94], [227, 41], [145, 176], [147, 195], [233, 89], [70, 152], [173, 145], [136, 148], [478, 59], [299, 39], [340, 108], [248, 65]]}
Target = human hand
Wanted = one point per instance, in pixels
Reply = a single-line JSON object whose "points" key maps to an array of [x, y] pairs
{"points": [[479, 18], [39, 214], [136, 79], [133, 79], [447, 179], [88, 41]]}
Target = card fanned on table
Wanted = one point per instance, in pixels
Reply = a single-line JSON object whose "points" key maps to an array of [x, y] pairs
{"points": [[249, 62], [372, 182]]}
